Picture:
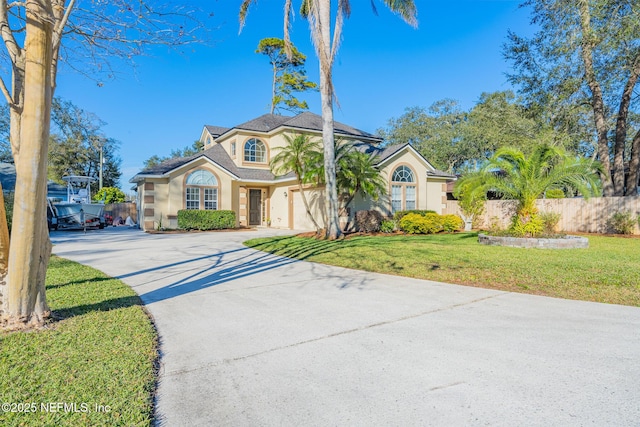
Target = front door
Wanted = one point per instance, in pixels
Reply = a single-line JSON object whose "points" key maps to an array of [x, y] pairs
{"points": [[255, 203]]}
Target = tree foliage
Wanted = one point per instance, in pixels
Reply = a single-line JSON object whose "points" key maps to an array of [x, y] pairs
{"points": [[109, 195], [187, 151], [357, 174], [586, 53], [289, 75], [75, 144], [437, 133], [515, 176], [454, 140]]}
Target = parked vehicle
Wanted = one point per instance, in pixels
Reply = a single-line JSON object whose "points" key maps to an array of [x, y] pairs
{"points": [[78, 212], [52, 217]]}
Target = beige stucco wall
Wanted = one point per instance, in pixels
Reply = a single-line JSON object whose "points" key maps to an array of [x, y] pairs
{"points": [[169, 197], [168, 193], [436, 195], [410, 159]]}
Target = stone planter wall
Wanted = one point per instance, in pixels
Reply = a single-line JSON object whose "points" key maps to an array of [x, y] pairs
{"points": [[567, 242]]}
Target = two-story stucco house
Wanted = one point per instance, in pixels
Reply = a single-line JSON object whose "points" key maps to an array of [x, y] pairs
{"points": [[232, 173]]}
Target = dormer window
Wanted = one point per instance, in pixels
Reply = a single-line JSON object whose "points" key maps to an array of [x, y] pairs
{"points": [[255, 151], [233, 149]]}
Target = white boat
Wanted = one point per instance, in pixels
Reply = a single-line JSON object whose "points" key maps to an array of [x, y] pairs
{"points": [[78, 212]]}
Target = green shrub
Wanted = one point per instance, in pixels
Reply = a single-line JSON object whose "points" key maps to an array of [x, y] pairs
{"points": [[533, 227], [495, 226], [451, 223], [554, 193], [414, 223], [109, 195], [398, 215], [621, 222], [550, 222], [388, 226], [368, 221], [191, 219]]}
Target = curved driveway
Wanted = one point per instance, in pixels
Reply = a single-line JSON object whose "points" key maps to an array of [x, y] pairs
{"points": [[251, 339]]}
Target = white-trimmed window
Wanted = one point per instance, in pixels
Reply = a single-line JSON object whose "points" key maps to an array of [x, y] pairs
{"points": [[193, 198], [233, 149], [403, 189], [255, 151], [201, 185]]}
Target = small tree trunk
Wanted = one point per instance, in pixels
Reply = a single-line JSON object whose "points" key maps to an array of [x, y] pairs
{"points": [[273, 89], [30, 247]]}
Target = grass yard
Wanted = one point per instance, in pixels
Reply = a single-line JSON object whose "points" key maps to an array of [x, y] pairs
{"points": [[609, 271], [93, 366]]}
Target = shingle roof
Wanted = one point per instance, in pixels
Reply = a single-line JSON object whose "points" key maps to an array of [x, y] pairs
{"points": [[441, 174], [380, 154], [216, 131], [304, 121], [219, 156], [267, 123], [264, 123]]}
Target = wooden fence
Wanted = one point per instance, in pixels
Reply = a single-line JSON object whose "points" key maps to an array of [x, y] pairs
{"points": [[576, 215], [122, 209]]}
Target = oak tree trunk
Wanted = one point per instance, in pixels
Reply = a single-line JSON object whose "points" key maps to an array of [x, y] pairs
{"points": [[634, 167], [597, 101], [621, 131]]}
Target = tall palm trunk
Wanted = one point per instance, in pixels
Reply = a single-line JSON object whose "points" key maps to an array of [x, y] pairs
{"points": [[25, 303], [326, 94]]}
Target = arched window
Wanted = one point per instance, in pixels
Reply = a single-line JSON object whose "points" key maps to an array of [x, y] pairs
{"points": [[255, 151], [403, 189], [202, 186]]}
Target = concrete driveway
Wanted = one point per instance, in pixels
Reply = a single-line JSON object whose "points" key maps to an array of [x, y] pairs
{"points": [[250, 339]]}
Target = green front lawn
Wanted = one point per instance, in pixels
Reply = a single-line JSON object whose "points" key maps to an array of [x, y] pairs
{"points": [[94, 366], [609, 271]]}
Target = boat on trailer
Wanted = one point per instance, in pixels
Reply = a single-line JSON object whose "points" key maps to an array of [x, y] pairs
{"points": [[78, 212]]}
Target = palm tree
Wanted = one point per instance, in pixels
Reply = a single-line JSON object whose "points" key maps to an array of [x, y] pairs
{"points": [[295, 157], [327, 41], [357, 174], [513, 176]]}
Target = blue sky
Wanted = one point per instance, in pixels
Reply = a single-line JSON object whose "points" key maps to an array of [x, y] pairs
{"points": [[383, 67]]}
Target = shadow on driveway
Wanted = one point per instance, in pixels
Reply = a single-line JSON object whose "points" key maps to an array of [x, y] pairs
{"points": [[219, 272]]}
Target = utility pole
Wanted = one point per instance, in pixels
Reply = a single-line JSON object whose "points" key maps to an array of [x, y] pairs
{"points": [[101, 164]]}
